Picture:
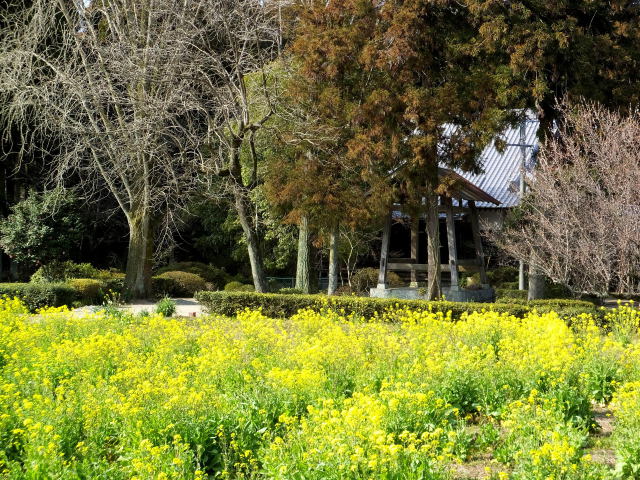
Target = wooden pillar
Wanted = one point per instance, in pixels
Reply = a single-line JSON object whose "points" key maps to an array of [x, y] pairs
{"points": [[477, 241], [384, 252], [415, 232], [451, 238]]}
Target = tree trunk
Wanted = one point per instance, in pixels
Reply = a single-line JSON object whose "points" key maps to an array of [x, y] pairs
{"points": [[433, 248], [253, 246], [333, 261], [303, 268], [140, 254], [536, 280]]}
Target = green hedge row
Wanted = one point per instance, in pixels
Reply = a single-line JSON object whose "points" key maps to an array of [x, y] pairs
{"points": [[509, 294], [38, 295], [280, 305]]}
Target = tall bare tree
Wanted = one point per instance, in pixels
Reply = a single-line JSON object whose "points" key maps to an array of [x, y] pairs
{"points": [[582, 213], [142, 94], [248, 41]]}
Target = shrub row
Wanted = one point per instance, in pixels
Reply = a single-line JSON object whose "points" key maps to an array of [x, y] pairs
{"points": [[177, 284], [91, 291], [509, 294], [210, 274], [38, 295], [282, 305]]}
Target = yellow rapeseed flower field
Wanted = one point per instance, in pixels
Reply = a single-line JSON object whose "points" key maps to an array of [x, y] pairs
{"points": [[320, 395]]}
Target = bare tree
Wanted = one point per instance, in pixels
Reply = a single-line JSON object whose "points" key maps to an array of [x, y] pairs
{"points": [[582, 214], [142, 94], [249, 40]]}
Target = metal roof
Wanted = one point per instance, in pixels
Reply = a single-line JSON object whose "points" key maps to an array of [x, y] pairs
{"points": [[466, 190], [501, 170]]}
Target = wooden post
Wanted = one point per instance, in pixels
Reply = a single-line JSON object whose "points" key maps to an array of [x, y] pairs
{"points": [[523, 188], [477, 240], [451, 238], [415, 226], [384, 252]]}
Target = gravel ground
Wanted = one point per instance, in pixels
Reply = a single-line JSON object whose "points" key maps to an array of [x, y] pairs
{"points": [[185, 307]]}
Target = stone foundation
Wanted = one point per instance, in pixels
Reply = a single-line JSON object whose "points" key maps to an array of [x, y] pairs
{"points": [[452, 294]]}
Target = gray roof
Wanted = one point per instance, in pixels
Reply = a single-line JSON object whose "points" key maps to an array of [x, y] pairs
{"points": [[501, 170]]}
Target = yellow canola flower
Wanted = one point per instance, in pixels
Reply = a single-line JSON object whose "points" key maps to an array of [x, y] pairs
{"points": [[307, 396]]}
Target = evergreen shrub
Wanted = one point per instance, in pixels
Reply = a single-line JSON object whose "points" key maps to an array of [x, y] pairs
{"points": [[236, 286], [282, 305], [178, 284], [510, 294], [217, 276], [497, 277], [61, 271], [367, 278], [39, 295], [290, 291], [166, 306], [88, 290]]}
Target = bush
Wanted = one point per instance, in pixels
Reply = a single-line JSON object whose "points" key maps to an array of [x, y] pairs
{"points": [[114, 284], [509, 295], [178, 284], [62, 271], [290, 291], [43, 228], [39, 295], [166, 306], [567, 307], [345, 290], [367, 278], [470, 281], [88, 290], [556, 290], [238, 287], [209, 273], [279, 306], [501, 275]]}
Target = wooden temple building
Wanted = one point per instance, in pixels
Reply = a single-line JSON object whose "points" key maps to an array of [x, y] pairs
{"points": [[478, 201], [404, 243]]}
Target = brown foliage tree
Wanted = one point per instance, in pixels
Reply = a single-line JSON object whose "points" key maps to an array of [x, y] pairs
{"points": [[393, 74]]}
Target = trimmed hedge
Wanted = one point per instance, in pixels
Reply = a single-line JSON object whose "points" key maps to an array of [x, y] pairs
{"points": [[280, 305], [177, 284], [508, 295], [236, 286], [38, 295], [88, 290], [209, 273]]}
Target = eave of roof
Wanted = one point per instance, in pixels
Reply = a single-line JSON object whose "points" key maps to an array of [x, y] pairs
{"points": [[464, 189]]}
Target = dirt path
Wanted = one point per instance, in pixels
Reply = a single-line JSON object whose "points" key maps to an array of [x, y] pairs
{"points": [[185, 307]]}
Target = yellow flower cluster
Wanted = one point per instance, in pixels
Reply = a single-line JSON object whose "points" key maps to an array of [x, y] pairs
{"points": [[321, 395]]}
